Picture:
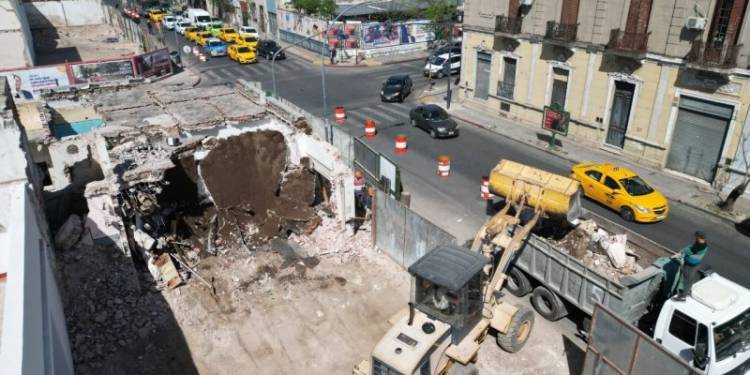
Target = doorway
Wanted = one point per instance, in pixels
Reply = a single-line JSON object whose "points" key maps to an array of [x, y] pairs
{"points": [[619, 116]]}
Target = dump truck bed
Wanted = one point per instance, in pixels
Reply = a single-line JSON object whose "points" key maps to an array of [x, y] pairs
{"points": [[584, 287]]}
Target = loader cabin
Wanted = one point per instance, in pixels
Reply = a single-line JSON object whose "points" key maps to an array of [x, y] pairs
{"points": [[447, 285]]}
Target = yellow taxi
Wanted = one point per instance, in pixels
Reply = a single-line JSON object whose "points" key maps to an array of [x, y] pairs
{"points": [[241, 54], [192, 32], [156, 15], [247, 40], [202, 37], [622, 190], [228, 34]]}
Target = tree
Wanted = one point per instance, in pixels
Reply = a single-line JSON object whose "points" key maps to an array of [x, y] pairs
{"points": [[728, 203], [440, 12], [306, 6], [327, 8]]}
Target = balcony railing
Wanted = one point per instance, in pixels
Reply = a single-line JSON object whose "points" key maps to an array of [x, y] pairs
{"points": [[508, 25], [628, 42], [561, 32], [713, 55]]}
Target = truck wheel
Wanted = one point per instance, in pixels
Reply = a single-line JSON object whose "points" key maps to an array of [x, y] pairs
{"points": [[518, 284], [518, 333], [548, 304], [459, 369]]}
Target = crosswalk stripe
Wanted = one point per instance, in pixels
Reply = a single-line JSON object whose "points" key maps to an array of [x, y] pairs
{"points": [[213, 75], [262, 68], [357, 118], [392, 111], [404, 107], [378, 115], [237, 71]]}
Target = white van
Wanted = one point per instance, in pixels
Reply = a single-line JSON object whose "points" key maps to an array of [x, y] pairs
{"points": [[198, 17]]}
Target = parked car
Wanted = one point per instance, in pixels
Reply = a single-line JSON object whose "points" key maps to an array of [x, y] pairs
{"points": [[180, 27], [228, 34], [396, 88], [202, 38], [437, 66], [249, 41], [453, 50], [622, 190], [433, 119], [169, 22], [242, 54], [266, 48], [215, 47], [249, 31]]}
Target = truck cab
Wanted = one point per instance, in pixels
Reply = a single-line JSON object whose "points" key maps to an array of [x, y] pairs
{"points": [[711, 328]]}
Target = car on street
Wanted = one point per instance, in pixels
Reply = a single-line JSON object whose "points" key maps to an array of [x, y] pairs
{"points": [[434, 120], [248, 41], [622, 190], [453, 50], [215, 47], [215, 25], [266, 48], [228, 34], [191, 33], [202, 37], [396, 88], [242, 54], [169, 22], [155, 15], [249, 30], [182, 26], [438, 66]]}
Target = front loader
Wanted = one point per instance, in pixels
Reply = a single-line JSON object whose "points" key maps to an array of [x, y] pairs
{"points": [[454, 295]]}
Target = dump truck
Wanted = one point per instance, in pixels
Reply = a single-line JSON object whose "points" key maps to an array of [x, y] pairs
{"points": [[455, 300]]}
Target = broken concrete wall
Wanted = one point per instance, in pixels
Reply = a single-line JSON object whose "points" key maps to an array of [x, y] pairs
{"points": [[50, 14], [72, 163]]}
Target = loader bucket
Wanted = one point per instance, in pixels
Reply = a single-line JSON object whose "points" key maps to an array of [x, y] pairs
{"points": [[559, 195]]}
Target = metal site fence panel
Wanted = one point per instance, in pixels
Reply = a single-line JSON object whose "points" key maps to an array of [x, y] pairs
{"points": [[343, 142], [616, 347], [367, 160], [402, 233], [312, 45]]}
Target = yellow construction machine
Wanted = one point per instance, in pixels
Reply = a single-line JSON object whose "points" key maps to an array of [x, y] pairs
{"points": [[454, 294]]}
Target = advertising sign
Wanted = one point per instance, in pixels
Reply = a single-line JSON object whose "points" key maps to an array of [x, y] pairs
{"points": [[555, 120], [26, 82], [102, 71], [386, 34], [154, 63], [345, 33]]}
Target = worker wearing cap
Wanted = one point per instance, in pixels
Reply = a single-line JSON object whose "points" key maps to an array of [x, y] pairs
{"points": [[691, 258]]}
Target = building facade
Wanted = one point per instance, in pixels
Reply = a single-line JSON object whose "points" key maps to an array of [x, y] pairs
{"points": [[664, 83]]}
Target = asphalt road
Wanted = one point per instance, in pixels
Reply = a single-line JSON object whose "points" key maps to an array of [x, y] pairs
{"points": [[454, 201]]}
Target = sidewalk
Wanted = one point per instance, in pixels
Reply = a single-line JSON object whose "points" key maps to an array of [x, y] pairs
{"points": [[691, 193], [314, 58]]}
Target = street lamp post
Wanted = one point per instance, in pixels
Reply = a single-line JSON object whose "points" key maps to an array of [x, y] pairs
{"points": [[322, 54]]}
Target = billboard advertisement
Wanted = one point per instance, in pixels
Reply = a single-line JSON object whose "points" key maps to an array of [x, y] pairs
{"points": [[345, 34], [154, 64], [386, 34], [25, 82], [102, 71], [301, 24]]}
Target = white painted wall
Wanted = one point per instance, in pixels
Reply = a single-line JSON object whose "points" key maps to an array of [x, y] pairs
{"points": [[15, 37], [46, 14]]}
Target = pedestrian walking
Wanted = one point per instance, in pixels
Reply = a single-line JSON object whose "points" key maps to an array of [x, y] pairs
{"points": [[150, 27], [691, 258], [333, 56]]}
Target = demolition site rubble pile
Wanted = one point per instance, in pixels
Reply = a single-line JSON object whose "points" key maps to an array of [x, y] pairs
{"points": [[610, 255]]}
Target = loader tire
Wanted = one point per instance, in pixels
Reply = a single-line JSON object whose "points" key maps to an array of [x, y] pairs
{"points": [[548, 304], [518, 284], [459, 369], [518, 332]]}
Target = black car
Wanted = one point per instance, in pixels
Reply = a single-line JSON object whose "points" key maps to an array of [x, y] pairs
{"points": [[434, 120], [266, 48], [396, 88]]}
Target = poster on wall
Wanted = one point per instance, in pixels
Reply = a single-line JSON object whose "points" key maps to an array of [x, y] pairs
{"points": [[23, 83], [345, 35], [154, 64], [416, 32], [379, 34], [301, 25], [102, 71]]}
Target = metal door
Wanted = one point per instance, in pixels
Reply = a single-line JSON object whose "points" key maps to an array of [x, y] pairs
{"points": [[699, 134], [618, 118], [482, 83]]}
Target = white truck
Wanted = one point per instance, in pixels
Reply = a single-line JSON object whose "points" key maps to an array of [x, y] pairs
{"points": [[198, 17]]}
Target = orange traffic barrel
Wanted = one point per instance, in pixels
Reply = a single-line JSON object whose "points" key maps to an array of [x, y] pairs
{"points": [[370, 130], [485, 188], [444, 166], [340, 114], [202, 56], [401, 144]]}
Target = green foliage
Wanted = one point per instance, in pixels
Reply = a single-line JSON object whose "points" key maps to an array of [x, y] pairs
{"points": [[306, 6], [440, 13], [327, 9]]}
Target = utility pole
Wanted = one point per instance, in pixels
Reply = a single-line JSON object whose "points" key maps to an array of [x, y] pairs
{"points": [[450, 63]]}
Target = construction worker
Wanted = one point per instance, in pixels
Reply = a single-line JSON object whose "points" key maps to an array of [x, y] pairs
{"points": [[359, 182], [691, 258]]}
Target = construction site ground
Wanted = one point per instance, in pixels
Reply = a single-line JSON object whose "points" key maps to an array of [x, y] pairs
{"points": [[80, 43]]}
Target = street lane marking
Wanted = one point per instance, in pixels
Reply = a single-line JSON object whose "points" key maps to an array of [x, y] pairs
{"points": [[376, 114], [392, 111]]}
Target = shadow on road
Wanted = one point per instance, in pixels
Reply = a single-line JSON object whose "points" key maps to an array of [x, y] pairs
{"points": [[743, 227]]}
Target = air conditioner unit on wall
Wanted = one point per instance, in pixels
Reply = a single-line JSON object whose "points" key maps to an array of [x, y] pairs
{"points": [[526, 2], [696, 23]]}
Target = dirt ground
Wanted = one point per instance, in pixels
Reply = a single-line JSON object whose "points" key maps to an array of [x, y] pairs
{"points": [[80, 43]]}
